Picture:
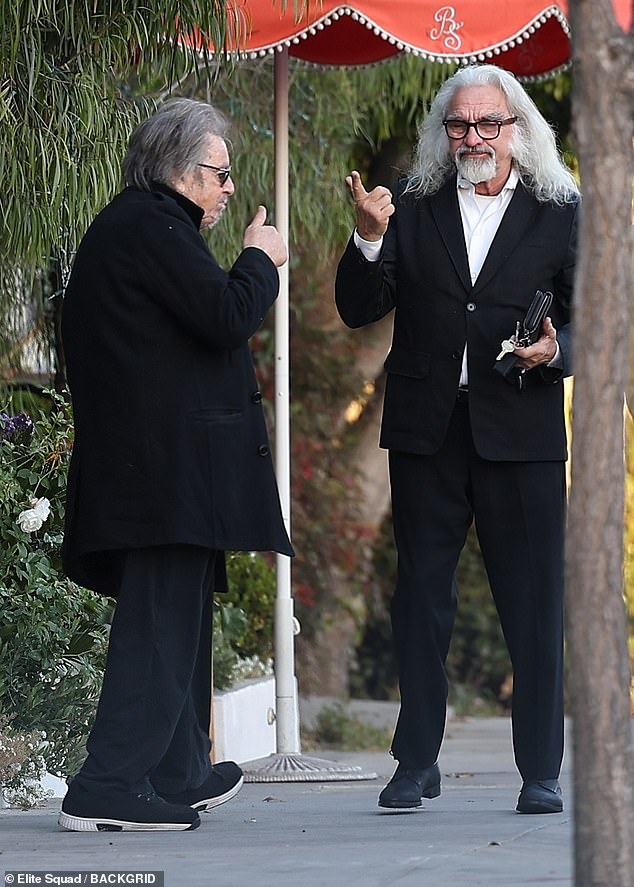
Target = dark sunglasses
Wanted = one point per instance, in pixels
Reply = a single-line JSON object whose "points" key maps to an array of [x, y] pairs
{"points": [[223, 172]]}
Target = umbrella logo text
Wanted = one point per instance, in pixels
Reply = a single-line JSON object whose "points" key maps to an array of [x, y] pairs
{"points": [[447, 29]]}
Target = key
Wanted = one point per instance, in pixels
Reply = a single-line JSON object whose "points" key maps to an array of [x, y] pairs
{"points": [[507, 348]]}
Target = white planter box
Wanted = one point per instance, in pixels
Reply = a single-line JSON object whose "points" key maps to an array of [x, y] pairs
{"points": [[243, 723], [55, 785]]}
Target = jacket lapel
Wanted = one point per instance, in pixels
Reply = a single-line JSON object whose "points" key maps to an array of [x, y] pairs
{"points": [[517, 218], [446, 213]]}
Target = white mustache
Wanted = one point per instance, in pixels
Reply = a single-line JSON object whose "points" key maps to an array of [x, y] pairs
{"points": [[465, 151]]}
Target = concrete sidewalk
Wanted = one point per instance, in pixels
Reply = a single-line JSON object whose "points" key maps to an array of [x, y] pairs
{"points": [[333, 834]]}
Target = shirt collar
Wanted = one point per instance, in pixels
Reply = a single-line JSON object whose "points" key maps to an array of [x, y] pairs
{"points": [[509, 185]]}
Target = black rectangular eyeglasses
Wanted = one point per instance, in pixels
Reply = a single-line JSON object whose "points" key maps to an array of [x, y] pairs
{"points": [[487, 129]]}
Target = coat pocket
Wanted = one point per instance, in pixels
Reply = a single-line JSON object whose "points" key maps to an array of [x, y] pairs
{"points": [[213, 415], [404, 362], [405, 391]]}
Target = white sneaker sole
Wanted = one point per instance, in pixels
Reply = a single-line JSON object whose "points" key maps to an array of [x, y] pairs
{"points": [[209, 803], [93, 824]]}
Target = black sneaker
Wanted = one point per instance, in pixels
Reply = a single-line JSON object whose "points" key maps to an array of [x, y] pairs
{"points": [[224, 781], [118, 811]]}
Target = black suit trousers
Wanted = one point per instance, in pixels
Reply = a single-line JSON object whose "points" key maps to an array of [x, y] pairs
{"points": [[519, 513], [151, 730]]}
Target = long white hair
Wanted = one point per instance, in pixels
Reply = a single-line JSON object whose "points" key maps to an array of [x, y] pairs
{"points": [[537, 160]]}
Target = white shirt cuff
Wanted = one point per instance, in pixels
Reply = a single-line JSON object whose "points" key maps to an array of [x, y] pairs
{"points": [[369, 249], [557, 361]]}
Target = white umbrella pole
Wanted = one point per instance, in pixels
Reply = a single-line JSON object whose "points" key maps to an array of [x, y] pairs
{"points": [[288, 764], [285, 686]]}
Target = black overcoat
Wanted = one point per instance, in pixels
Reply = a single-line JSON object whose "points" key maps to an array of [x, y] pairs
{"points": [[423, 272], [170, 440]]}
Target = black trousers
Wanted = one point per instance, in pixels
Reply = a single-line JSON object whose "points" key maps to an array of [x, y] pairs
{"points": [[152, 724], [519, 512]]}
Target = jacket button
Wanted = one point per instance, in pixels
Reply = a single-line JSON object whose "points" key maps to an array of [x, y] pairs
{"points": [[263, 450], [471, 306], [457, 355], [256, 397]]}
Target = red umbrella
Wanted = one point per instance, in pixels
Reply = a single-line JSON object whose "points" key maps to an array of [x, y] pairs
{"points": [[531, 38], [528, 37]]}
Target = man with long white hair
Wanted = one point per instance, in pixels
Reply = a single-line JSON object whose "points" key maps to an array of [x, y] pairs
{"points": [[486, 218]]}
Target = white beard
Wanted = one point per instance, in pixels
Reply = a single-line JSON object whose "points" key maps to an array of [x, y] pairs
{"points": [[476, 169]]}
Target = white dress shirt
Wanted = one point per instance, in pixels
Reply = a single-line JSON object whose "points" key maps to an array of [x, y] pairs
{"points": [[481, 217]]}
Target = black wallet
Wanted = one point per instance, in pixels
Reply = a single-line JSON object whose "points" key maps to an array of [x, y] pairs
{"points": [[527, 332]]}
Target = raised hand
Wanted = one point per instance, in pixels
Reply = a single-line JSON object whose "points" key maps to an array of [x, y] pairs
{"points": [[374, 207], [265, 237]]}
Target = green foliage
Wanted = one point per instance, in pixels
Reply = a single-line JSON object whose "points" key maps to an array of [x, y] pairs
{"points": [[552, 97], [67, 107], [243, 621], [229, 624], [65, 112], [336, 729], [251, 582], [52, 632]]}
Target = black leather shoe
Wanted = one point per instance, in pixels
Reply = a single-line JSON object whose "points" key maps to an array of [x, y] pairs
{"points": [[540, 796], [407, 787]]}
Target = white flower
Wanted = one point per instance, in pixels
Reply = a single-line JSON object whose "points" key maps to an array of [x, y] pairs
{"points": [[32, 519]]}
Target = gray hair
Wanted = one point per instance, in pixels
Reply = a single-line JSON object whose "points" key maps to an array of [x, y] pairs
{"points": [[533, 146], [171, 142]]}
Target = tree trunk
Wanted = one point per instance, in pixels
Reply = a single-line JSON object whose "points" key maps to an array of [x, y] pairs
{"points": [[597, 628]]}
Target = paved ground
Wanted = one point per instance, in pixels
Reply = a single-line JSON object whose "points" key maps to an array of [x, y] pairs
{"points": [[332, 834]]}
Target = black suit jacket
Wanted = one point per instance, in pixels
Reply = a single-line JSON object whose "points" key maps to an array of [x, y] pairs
{"points": [[170, 440], [423, 273]]}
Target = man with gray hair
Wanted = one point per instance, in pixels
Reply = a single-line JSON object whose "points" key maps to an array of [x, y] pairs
{"points": [[170, 466], [484, 225]]}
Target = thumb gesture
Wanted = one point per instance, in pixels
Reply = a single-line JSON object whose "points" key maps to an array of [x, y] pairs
{"points": [[374, 207], [265, 237], [353, 181], [259, 218]]}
